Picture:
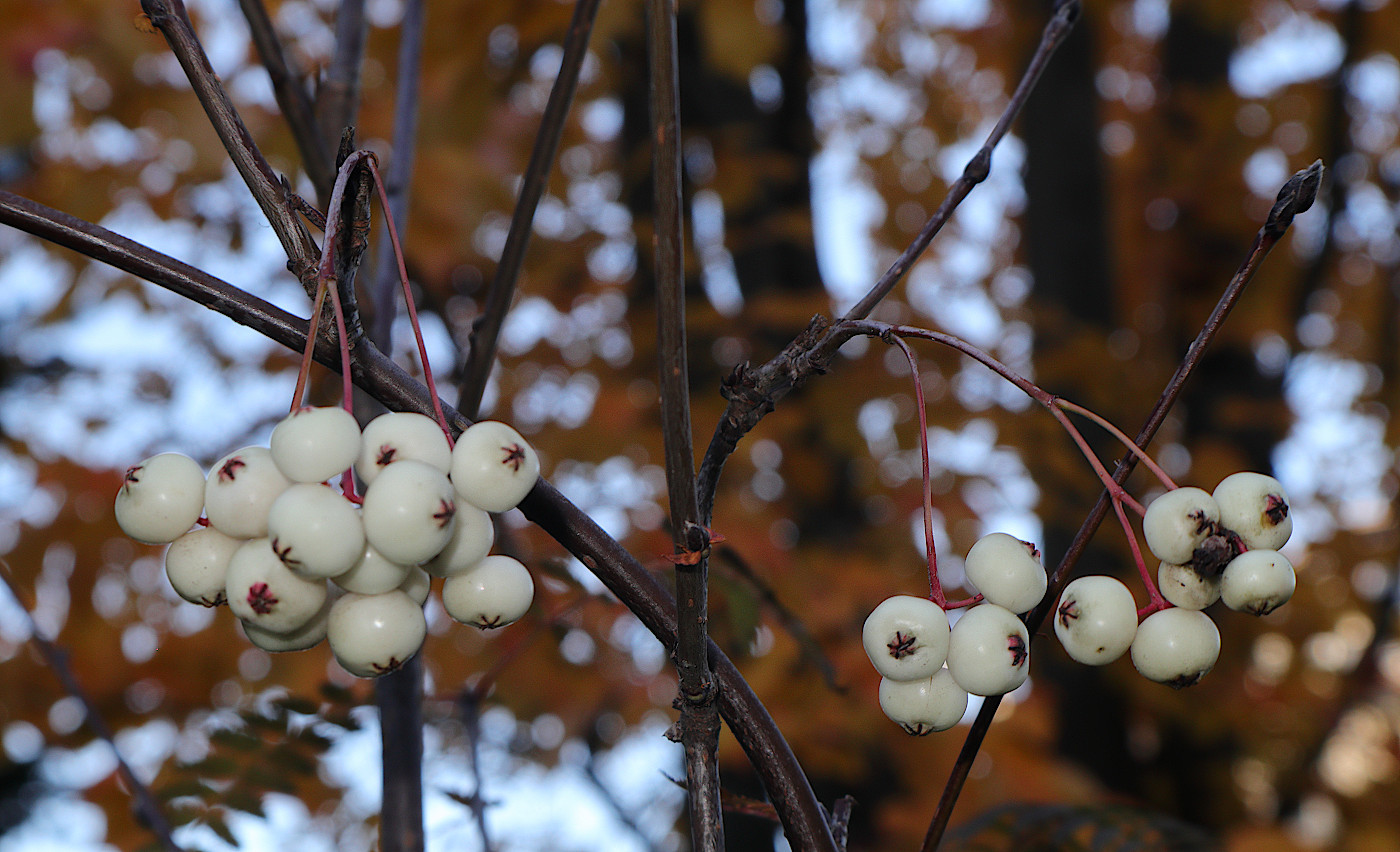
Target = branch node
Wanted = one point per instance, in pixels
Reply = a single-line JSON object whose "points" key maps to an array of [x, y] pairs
{"points": [[979, 166]]}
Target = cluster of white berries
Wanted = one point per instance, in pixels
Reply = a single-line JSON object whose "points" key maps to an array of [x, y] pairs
{"points": [[1220, 546], [928, 669], [298, 561]]}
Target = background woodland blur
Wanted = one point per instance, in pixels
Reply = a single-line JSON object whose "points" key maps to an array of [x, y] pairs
{"points": [[817, 139]]}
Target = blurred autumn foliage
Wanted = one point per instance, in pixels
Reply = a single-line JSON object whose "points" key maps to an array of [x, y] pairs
{"points": [[817, 139]]}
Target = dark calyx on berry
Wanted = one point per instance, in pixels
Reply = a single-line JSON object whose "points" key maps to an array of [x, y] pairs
{"points": [[1215, 552], [1275, 509], [261, 599], [902, 646]]}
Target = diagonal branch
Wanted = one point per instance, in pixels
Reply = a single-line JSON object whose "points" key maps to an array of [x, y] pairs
{"points": [[1296, 196], [698, 728], [170, 17], [481, 353], [292, 99], [755, 730], [753, 392]]}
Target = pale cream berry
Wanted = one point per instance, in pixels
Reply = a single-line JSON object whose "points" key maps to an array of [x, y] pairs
{"points": [[1178, 522], [409, 512], [240, 491], [315, 530], [1255, 507], [1096, 619], [417, 585], [493, 467], [470, 543], [496, 592], [309, 635], [372, 574], [263, 591], [1184, 586], [160, 498], [906, 638], [1007, 571], [314, 444], [1258, 582], [921, 707], [372, 635], [400, 435], [197, 565], [989, 650], [1176, 646]]}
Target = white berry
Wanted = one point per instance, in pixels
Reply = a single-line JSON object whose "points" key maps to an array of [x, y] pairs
{"points": [[1176, 646], [409, 512], [240, 491], [315, 444], [1096, 619], [493, 468], [497, 592], [471, 541], [400, 435], [1257, 582], [263, 591], [372, 635], [316, 531], [1176, 523], [906, 638], [160, 498], [1255, 507], [309, 635], [197, 565], [417, 585], [1007, 571], [989, 650], [923, 706], [372, 574], [1184, 586]]}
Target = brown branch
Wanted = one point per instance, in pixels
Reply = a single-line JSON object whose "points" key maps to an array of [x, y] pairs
{"points": [[375, 373], [170, 17], [698, 727], [56, 658], [481, 352], [1296, 196], [292, 99], [753, 392]]}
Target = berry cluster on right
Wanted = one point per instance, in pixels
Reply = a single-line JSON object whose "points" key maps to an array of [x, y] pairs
{"points": [[1220, 546]]}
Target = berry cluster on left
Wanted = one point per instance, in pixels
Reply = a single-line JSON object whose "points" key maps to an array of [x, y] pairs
{"points": [[300, 561]]}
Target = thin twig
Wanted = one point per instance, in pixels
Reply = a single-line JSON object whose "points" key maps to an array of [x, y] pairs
{"points": [[170, 17], [292, 99], [481, 352], [753, 392], [470, 703], [398, 177], [338, 99], [804, 822], [56, 658], [590, 772], [1295, 197]]}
